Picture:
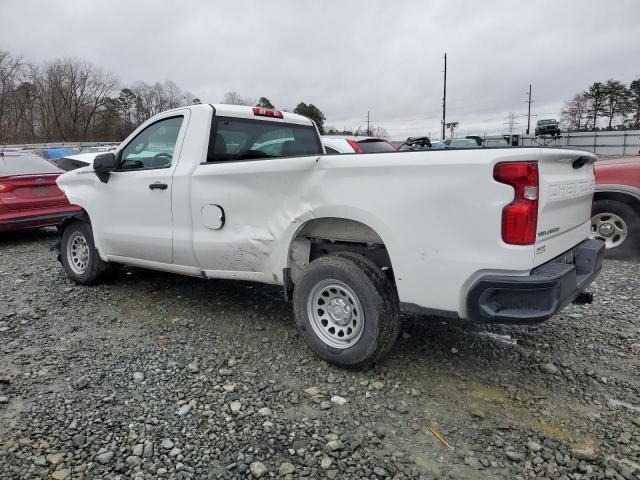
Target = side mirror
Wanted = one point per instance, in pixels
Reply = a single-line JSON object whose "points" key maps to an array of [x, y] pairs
{"points": [[103, 165]]}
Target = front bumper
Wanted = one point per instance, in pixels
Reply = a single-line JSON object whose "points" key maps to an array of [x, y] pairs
{"points": [[541, 294]]}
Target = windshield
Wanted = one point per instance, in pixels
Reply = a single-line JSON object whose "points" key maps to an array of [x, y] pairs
{"points": [[25, 165], [547, 122]]}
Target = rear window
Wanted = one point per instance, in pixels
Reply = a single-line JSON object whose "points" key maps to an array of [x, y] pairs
{"points": [[243, 139], [25, 165], [376, 146]]}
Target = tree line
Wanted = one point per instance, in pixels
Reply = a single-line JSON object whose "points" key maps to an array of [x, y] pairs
{"points": [[74, 100], [612, 101]]}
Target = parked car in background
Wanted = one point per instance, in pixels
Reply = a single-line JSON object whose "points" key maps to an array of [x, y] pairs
{"points": [[349, 237], [616, 206], [495, 143], [438, 145], [479, 141], [548, 126], [415, 144], [462, 143], [29, 195], [334, 144], [51, 154]]}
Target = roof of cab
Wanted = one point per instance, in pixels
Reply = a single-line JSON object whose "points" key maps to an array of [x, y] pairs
{"points": [[242, 111], [247, 112]]}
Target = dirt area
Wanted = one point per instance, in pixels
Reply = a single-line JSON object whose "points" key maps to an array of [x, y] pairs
{"points": [[152, 375]]}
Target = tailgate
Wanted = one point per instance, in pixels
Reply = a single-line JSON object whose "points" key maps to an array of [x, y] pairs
{"points": [[33, 191], [565, 196]]}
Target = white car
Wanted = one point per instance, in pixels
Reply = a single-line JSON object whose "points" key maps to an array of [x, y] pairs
{"points": [[497, 236], [335, 144]]}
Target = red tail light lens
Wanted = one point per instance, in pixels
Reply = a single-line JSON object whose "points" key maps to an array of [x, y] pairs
{"points": [[5, 187], [267, 112], [355, 146], [520, 217]]}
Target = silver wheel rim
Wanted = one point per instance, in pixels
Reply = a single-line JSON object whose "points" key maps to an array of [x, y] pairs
{"points": [[78, 253], [335, 313], [610, 228]]}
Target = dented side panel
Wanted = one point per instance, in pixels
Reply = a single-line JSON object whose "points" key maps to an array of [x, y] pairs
{"points": [[439, 225]]}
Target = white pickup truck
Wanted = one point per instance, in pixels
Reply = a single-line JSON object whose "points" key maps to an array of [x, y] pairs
{"points": [[221, 191]]}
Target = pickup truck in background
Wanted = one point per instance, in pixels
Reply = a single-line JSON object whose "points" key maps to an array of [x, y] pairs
{"points": [[224, 191], [616, 206], [548, 126]]}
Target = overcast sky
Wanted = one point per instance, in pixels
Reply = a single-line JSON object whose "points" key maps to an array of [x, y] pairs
{"points": [[347, 57]]}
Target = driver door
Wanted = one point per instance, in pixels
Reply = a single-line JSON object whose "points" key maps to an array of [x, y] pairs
{"points": [[136, 220]]}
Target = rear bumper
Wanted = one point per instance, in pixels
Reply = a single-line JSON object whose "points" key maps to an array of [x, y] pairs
{"points": [[25, 220], [541, 294]]}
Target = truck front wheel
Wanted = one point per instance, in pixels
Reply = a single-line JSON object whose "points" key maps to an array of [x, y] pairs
{"points": [[80, 258], [346, 310]]}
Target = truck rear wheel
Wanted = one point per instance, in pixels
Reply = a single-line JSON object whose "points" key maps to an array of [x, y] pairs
{"points": [[79, 255], [618, 225], [346, 310]]}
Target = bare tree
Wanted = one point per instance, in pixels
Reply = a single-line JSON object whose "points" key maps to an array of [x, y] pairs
{"points": [[374, 131], [574, 112], [234, 98], [71, 93], [10, 73]]}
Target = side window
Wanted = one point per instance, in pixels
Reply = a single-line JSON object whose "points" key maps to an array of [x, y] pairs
{"points": [[331, 150], [153, 147], [243, 139]]}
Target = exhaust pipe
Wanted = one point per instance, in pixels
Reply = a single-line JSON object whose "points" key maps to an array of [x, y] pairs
{"points": [[584, 298]]}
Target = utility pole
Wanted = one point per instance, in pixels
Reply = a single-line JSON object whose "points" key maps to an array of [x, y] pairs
{"points": [[529, 111], [444, 97], [368, 125]]}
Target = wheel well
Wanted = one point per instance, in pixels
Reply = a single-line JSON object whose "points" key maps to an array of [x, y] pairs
{"points": [[325, 236], [83, 216], [619, 197]]}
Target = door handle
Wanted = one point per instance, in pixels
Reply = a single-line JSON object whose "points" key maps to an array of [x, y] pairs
{"points": [[158, 186]]}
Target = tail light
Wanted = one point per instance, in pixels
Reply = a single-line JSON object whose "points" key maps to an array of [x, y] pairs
{"points": [[520, 217], [267, 112], [355, 146], [5, 187]]}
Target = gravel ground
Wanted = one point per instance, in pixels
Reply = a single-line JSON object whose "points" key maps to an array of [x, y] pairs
{"points": [[152, 375]]}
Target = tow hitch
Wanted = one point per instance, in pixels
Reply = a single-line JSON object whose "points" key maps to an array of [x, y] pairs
{"points": [[584, 298]]}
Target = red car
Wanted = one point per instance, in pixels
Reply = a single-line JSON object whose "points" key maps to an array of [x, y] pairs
{"points": [[616, 206], [29, 196]]}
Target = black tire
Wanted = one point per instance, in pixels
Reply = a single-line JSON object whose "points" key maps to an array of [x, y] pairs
{"points": [[378, 299], [95, 266], [631, 244]]}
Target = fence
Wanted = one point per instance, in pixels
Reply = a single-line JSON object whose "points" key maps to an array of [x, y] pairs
{"points": [[58, 145], [624, 142]]}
